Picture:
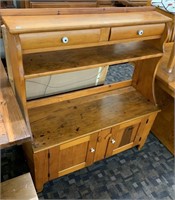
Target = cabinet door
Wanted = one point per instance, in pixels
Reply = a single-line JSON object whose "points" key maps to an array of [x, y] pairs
{"points": [[72, 156], [123, 137], [102, 143]]}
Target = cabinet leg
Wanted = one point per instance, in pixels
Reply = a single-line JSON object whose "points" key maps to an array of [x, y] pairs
{"points": [[41, 169], [38, 164], [146, 130], [39, 189]]}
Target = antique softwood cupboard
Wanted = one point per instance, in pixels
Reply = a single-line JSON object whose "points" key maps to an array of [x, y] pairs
{"points": [[71, 131]]}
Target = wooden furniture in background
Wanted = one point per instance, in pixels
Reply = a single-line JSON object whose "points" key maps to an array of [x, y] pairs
{"points": [[6, 4], [132, 2], [13, 129], [171, 37], [20, 187], [163, 127], [165, 74], [89, 124], [65, 3]]}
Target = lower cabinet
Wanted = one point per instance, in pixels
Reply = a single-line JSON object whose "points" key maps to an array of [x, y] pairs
{"points": [[76, 154]]}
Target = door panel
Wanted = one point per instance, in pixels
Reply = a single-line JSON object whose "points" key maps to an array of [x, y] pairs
{"points": [[123, 137], [72, 156], [102, 143], [127, 135]]}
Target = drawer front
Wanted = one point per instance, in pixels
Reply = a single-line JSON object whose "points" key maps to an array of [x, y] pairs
{"points": [[59, 38], [128, 32]]}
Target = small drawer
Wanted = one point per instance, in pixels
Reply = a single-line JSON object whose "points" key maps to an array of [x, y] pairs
{"points": [[59, 38], [128, 32]]}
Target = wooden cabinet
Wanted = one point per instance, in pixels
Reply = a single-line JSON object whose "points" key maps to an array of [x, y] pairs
{"points": [[164, 127], [77, 154], [71, 156], [73, 130]]}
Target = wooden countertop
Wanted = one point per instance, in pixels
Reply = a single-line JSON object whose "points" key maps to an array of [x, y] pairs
{"points": [[55, 123], [17, 24]]}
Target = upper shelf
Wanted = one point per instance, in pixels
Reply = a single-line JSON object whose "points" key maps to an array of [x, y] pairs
{"points": [[47, 63], [17, 24]]}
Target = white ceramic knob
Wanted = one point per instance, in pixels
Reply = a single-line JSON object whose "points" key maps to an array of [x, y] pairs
{"points": [[65, 40], [140, 32], [113, 141], [92, 150]]}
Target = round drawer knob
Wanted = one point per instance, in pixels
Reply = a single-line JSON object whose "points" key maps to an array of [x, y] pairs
{"points": [[65, 40], [140, 32], [113, 141], [92, 150]]}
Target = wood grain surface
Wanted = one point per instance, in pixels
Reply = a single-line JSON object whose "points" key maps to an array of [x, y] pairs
{"points": [[17, 24], [163, 127], [56, 123], [13, 128], [46, 63], [166, 78]]}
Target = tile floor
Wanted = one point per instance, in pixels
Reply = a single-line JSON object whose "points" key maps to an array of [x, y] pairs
{"points": [[133, 174]]}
